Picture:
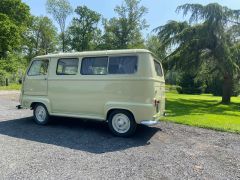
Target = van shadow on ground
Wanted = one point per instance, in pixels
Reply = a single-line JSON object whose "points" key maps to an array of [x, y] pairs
{"points": [[90, 136]]}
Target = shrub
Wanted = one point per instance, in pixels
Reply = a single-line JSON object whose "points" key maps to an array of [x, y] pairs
{"points": [[189, 85], [3, 75], [12, 67]]}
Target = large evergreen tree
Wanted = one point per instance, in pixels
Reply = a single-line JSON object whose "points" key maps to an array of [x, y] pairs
{"points": [[204, 40]]}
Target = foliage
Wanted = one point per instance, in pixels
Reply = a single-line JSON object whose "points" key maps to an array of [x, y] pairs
{"points": [[41, 37], [12, 67], [155, 45], [60, 10], [3, 75], [203, 38], [14, 19], [124, 31], [83, 29], [189, 85], [214, 86], [203, 111], [10, 36]]}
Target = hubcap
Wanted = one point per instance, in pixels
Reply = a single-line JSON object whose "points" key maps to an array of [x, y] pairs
{"points": [[121, 123], [41, 113]]}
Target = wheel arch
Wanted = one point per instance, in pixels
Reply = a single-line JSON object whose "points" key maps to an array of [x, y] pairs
{"points": [[34, 103], [109, 111]]}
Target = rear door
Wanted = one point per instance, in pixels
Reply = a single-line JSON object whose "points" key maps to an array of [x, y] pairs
{"points": [[35, 82], [159, 87]]}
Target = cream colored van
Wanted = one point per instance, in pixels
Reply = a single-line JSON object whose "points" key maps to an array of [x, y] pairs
{"points": [[122, 87]]}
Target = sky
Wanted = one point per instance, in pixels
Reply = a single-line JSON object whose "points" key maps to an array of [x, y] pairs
{"points": [[159, 11]]}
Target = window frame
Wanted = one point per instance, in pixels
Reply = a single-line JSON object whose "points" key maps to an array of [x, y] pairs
{"points": [[125, 56], [94, 57], [108, 59], [67, 74], [156, 61], [32, 64]]}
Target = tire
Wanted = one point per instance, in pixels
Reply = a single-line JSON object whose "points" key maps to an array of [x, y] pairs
{"points": [[122, 123], [40, 114]]}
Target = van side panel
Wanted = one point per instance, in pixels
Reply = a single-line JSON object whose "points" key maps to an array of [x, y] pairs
{"points": [[95, 95]]}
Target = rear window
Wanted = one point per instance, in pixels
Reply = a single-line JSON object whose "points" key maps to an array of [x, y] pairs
{"points": [[94, 66], [122, 65], [67, 67], [158, 68]]}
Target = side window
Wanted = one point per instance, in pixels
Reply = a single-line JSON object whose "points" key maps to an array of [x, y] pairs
{"points": [[38, 67], [122, 65], [67, 66], [94, 66], [158, 68]]}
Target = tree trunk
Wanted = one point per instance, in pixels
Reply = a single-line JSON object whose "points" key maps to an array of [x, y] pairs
{"points": [[227, 89], [63, 41]]}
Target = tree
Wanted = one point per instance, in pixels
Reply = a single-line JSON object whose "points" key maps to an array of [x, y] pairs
{"points": [[83, 29], [60, 10], [155, 45], [9, 35], [203, 40], [14, 19], [124, 31], [41, 37], [17, 11]]}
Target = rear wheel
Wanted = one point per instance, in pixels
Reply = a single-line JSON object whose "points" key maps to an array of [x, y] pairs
{"points": [[122, 123], [40, 114]]}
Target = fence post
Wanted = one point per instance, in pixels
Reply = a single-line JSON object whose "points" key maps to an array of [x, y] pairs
{"points": [[6, 81]]}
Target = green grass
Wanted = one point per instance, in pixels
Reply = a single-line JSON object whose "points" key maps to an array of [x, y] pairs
{"points": [[11, 87], [203, 111]]}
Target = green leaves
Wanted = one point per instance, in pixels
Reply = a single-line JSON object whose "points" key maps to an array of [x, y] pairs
{"points": [[17, 12], [9, 35], [208, 36], [60, 10], [83, 29], [124, 31], [41, 37], [14, 19]]}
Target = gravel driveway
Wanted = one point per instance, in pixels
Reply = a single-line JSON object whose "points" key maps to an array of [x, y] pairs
{"points": [[75, 149]]}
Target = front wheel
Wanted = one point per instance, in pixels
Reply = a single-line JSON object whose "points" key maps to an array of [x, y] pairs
{"points": [[122, 123], [40, 114]]}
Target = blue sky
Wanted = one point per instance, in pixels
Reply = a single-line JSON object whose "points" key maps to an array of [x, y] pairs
{"points": [[159, 11]]}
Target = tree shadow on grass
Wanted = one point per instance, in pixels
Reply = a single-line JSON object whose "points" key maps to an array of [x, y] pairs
{"points": [[180, 107], [90, 136]]}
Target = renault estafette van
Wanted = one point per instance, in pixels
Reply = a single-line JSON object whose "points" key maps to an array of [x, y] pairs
{"points": [[122, 87]]}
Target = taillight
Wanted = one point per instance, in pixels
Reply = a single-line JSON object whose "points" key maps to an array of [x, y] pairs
{"points": [[156, 102]]}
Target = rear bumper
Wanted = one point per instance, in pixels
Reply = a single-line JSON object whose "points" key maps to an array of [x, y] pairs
{"points": [[155, 120], [150, 123]]}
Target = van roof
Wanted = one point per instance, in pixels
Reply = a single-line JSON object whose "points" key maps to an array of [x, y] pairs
{"points": [[96, 53]]}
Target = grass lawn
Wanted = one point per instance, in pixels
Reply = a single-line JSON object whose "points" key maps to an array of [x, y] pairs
{"points": [[11, 87], [203, 111]]}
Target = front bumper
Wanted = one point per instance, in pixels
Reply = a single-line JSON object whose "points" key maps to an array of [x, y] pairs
{"points": [[19, 107]]}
